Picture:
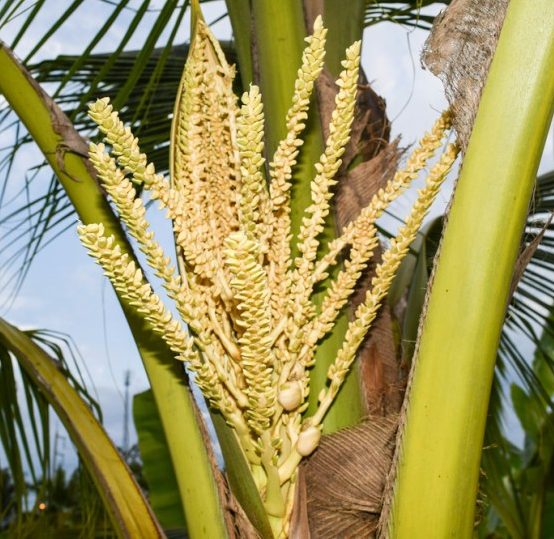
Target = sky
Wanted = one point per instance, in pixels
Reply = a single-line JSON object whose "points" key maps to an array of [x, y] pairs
{"points": [[65, 291]]}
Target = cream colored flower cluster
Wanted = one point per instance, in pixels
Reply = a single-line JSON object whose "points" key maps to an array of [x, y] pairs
{"points": [[248, 327]]}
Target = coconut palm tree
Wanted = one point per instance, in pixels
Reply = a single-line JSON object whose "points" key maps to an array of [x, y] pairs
{"points": [[257, 28]]}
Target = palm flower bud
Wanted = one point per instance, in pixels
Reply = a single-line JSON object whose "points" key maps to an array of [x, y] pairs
{"points": [[290, 396], [308, 440]]}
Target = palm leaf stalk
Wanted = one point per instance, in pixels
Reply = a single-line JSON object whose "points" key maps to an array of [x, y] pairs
{"points": [[343, 29], [508, 498], [61, 146], [459, 336], [252, 325]]}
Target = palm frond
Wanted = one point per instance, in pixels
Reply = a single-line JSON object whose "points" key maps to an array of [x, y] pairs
{"points": [[501, 508], [25, 428], [401, 12], [518, 482], [530, 313], [47, 384]]}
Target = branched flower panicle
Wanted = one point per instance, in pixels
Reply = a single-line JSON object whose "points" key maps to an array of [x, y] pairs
{"points": [[251, 324], [131, 212], [361, 234], [128, 279], [330, 161], [326, 169], [384, 197]]}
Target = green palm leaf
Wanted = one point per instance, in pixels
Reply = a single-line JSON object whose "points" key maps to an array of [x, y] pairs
{"points": [[399, 12], [529, 314], [39, 214], [36, 378], [517, 487]]}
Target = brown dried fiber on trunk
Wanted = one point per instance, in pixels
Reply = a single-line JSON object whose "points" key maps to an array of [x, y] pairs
{"points": [[242, 527], [459, 52], [344, 480]]}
